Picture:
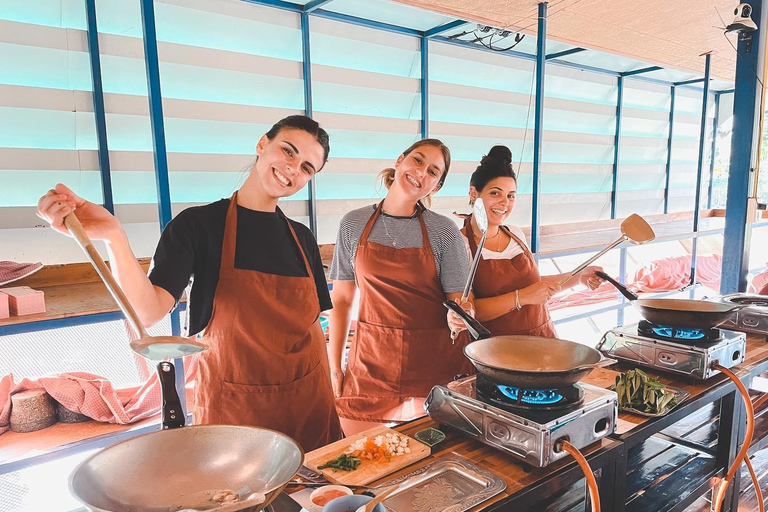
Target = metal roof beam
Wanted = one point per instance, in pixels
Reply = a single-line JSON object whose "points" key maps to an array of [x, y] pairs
{"points": [[563, 53], [688, 82], [280, 4], [640, 71], [444, 28], [314, 5]]}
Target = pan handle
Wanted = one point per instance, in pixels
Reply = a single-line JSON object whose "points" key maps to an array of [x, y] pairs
{"points": [[629, 294], [173, 415], [475, 328], [605, 361]]}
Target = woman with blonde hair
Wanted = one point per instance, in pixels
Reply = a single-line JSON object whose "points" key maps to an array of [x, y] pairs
{"points": [[405, 260]]}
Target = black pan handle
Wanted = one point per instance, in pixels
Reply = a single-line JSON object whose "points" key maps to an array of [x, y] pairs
{"points": [[173, 416], [629, 294], [475, 328]]}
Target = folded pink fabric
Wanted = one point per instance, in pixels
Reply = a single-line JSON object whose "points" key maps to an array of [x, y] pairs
{"points": [[674, 273], [92, 395], [759, 284], [11, 271]]}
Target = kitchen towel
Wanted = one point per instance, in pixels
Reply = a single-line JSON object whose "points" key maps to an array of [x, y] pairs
{"points": [[11, 271]]}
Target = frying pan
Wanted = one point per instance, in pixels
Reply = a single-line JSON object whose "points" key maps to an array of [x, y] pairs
{"points": [[534, 362], [151, 347], [177, 468], [680, 313]]}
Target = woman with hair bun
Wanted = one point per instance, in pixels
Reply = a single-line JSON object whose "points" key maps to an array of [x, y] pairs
{"points": [[510, 295], [405, 260]]}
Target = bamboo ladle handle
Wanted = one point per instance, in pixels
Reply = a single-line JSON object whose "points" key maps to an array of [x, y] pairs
{"points": [[78, 233]]}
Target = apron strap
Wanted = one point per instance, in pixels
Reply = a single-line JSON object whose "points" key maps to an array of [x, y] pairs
{"points": [[296, 239], [370, 223], [230, 235]]}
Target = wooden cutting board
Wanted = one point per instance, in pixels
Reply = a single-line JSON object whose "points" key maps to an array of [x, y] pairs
{"points": [[368, 470]]}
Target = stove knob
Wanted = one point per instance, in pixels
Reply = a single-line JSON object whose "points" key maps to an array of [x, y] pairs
{"points": [[499, 431]]}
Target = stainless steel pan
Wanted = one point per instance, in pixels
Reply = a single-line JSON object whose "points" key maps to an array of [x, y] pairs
{"points": [[680, 313], [534, 362]]}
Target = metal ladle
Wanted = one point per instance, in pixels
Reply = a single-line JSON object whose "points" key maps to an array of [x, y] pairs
{"points": [[151, 347], [481, 218], [634, 229]]}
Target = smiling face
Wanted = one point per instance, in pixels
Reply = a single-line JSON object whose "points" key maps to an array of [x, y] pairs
{"points": [[418, 173], [288, 161], [498, 196]]}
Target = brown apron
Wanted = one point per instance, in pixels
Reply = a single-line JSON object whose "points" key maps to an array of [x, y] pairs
{"points": [[497, 277], [402, 345], [267, 365]]}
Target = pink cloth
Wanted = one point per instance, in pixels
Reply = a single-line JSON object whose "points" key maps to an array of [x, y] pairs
{"points": [[92, 395], [11, 271], [759, 284], [674, 273]]}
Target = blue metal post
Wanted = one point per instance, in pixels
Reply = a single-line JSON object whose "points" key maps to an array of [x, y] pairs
{"points": [[745, 143], [161, 157], [538, 129], [564, 53], [307, 73], [700, 166], [98, 106], [617, 147], [669, 147], [424, 87], [713, 150]]}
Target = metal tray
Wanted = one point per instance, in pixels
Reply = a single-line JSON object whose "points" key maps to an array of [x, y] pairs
{"points": [[450, 484]]}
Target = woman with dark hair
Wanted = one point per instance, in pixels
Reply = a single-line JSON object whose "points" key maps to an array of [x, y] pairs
{"points": [[405, 260], [510, 295], [258, 288]]}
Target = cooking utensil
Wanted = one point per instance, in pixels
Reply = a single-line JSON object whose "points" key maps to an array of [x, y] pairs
{"points": [[167, 469], [534, 362], [680, 313], [634, 229], [151, 347], [368, 507], [481, 218]]}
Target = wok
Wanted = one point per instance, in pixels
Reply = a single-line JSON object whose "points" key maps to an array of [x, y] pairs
{"points": [[534, 362], [680, 313], [180, 468]]}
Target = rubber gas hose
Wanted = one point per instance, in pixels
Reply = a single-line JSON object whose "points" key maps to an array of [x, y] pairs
{"points": [[594, 496]]}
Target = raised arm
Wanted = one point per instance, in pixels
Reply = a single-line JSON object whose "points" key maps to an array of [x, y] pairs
{"points": [[151, 303]]}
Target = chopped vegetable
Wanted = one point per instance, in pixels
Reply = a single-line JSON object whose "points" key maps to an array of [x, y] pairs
{"points": [[638, 391], [343, 462], [381, 447]]}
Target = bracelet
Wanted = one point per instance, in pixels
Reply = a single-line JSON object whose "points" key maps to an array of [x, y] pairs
{"points": [[517, 300]]}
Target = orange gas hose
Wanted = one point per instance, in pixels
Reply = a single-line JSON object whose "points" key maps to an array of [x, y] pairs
{"points": [[742, 455], [594, 496], [756, 483]]}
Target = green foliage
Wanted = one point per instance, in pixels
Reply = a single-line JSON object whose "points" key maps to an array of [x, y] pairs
{"points": [[638, 391]]}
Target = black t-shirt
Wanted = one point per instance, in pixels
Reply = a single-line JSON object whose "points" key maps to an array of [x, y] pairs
{"points": [[190, 249]]}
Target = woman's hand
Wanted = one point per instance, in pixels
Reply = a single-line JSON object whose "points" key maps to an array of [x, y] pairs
{"points": [[337, 381], [538, 293], [454, 321], [59, 202], [588, 278]]}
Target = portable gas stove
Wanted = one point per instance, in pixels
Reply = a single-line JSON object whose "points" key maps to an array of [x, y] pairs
{"points": [[525, 423], [688, 352], [751, 319]]}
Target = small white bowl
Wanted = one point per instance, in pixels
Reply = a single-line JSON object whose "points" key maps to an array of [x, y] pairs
{"points": [[322, 490]]}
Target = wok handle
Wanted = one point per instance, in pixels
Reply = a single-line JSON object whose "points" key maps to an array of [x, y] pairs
{"points": [[629, 294], [475, 328], [605, 361], [173, 415]]}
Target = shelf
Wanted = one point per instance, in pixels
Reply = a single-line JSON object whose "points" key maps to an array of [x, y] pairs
{"points": [[699, 429], [663, 476]]}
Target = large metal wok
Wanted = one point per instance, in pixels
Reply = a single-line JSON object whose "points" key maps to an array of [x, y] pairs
{"points": [[182, 469], [680, 313], [532, 362]]}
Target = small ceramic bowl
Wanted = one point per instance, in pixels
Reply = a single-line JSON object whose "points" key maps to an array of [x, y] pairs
{"points": [[317, 493], [351, 504]]}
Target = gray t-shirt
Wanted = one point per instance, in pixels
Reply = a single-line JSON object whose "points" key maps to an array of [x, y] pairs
{"points": [[444, 237]]}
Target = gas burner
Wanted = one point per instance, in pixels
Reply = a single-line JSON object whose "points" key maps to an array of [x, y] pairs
{"points": [[515, 399], [692, 358], [679, 335], [530, 434], [753, 318]]}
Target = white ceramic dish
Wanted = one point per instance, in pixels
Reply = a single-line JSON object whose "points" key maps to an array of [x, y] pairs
{"points": [[322, 490]]}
